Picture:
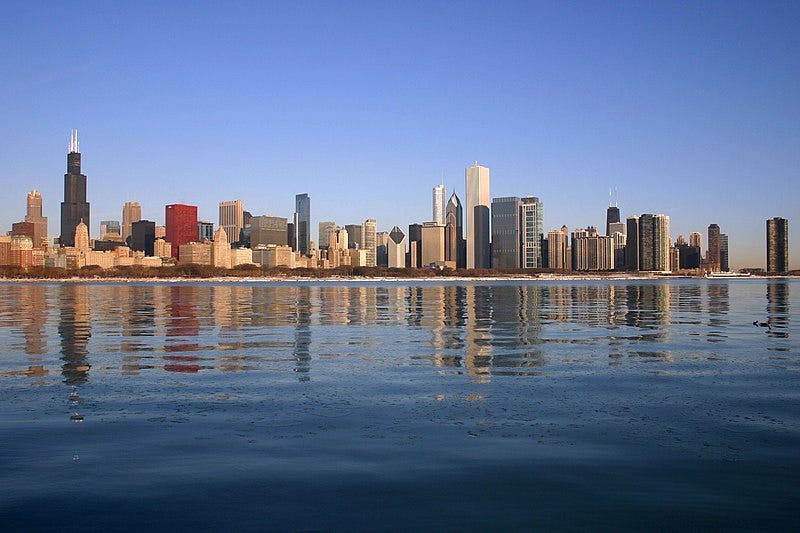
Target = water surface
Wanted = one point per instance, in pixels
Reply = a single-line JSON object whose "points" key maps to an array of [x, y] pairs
{"points": [[367, 406]]}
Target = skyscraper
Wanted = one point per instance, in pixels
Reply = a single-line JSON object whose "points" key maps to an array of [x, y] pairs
{"points": [[454, 247], [181, 222], [368, 229], [647, 260], [696, 239], [231, 219], [612, 217], [131, 212], [477, 226], [34, 216], [557, 249], [397, 248], [74, 208], [268, 230], [143, 237], [325, 229], [632, 244], [432, 243], [302, 222], [531, 215], [439, 204], [661, 243], [777, 245], [723, 253], [354, 235], [712, 255], [506, 232]]}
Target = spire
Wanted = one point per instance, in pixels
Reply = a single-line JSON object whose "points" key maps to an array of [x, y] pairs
{"points": [[74, 146]]}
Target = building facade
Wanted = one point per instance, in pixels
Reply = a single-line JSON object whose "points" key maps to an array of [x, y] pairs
{"points": [[531, 217], [302, 223], [181, 226], [476, 230], [131, 212], [506, 232], [34, 216], [267, 229], [777, 245], [143, 237], [74, 208], [231, 218], [438, 208], [396, 248]]}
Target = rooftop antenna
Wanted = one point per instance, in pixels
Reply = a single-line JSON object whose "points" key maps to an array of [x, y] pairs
{"points": [[616, 193], [610, 198]]}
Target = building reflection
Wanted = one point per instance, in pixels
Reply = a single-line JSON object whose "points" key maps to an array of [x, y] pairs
{"points": [[478, 335], [778, 308], [304, 296], [718, 307], [74, 329]]}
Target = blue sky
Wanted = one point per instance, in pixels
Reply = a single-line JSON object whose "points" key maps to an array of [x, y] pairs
{"points": [[688, 108]]}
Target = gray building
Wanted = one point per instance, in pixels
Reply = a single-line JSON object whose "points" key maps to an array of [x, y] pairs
{"points": [[302, 222], [777, 245], [205, 231], [632, 244], [506, 232], [266, 229], [455, 246], [354, 235], [478, 217]]}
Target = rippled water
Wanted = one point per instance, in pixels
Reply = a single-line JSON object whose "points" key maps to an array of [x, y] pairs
{"points": [[366, 406]]}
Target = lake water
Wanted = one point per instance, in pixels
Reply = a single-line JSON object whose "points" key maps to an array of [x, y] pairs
{"points": [[396, 406]]}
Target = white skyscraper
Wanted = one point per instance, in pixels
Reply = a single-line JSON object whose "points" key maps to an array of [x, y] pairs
{"points": [[476, 231], [438, 204]]}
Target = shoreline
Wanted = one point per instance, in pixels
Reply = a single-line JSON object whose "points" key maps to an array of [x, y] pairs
{"points": [[370, 279]]}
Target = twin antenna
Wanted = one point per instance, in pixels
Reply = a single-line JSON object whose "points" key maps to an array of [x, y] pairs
{"points": [[611, 194], [74, 146]]}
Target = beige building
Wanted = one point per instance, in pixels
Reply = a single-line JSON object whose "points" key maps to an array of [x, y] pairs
{"points": [[197, 253], [241, 256], [432, 243], [34, 216], [272, 255], [558, 249], [221, 249], [359, 257], [162, 248], [231, 219], [368, 230], [131, 212], [477, 185]]}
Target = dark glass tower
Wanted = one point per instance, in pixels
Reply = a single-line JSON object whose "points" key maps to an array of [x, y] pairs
{"points": [[777, 245], [455, 248], [302, 222], [612, 215], [74, 208]]}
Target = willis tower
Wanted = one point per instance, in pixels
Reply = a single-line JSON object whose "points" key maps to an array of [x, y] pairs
{"points": [[74, 208]]}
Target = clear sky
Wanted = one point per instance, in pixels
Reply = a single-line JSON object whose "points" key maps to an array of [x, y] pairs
{"points": [[691, 109]]}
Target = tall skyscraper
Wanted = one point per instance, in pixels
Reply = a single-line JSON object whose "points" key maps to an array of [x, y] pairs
{"points": [[354, 235], [131, 212], [439, 204], [612, 216], [661, 243], [632, 244], [34, 216], [397, 248], [302, 222], [696, 239], [557, 249], [454, 247], [712, 255], [723, 253], [368, 230], [647, 230], [777, 245], [531, 217], [181, 222], [231, 219], [74, 208], [477, 226], [506, 232]]}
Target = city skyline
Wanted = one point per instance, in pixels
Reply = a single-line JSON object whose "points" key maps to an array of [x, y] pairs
{"points": [[684, 110]]}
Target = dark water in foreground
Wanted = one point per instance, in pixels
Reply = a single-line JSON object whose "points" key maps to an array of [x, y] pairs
{"points": [[498, 406]]}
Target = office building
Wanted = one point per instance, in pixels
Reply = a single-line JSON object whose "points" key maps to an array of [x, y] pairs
{"points": [[723, 253], [143, 237], [696, 239], [181, 226], [266, 230], [689, 256], [505, 232], [382, 248], [778, 245], [632, 243], [109, 227], [131, 212], [231, 219], [662, 241], [531, 216], [221, 249], [593, 252], [432, 243], [455, 248], [476, 231], [302, 223], [396, 248], [354, 235], [620, 240], [713, 252], [368, 229], [414, 246], [325, 229], [74, 208], [205, 231], [439, 204], [34, 216], [612, 217]]}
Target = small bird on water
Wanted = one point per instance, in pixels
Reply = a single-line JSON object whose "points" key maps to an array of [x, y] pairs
{"points": [[762, 324]]}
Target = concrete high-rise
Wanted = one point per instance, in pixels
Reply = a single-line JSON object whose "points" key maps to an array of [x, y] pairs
{"points": [[454, 247], [354, 235], [74, 208], [505, 232], [557, 249], [368, 230], [713, 252], [221, 249], [302, 222], [181, 222], [661, 243], [34, 216], [325, 229], [231, 219], [777, 245], [696, 239], [476, 230], [531, 216], [439, 204], [268, 230], [131, 212]]}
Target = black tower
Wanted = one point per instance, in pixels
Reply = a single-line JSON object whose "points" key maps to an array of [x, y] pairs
{"points": [[74, 208]]}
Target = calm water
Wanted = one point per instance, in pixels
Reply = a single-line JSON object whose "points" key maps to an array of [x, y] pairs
{"points": [[434, 406]]}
